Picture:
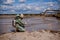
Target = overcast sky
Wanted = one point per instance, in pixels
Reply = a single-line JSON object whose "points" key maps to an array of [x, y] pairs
{"points": [[27, 6]]}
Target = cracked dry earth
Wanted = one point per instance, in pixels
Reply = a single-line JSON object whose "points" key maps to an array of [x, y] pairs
{"points": [[36, 35]]}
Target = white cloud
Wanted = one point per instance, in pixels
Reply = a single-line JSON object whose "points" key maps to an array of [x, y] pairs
{"points": [[21, 6], [49, 8], [37, 8], [24, 9], [4, 6], [12, 10], [29, 7], [50, 3], [22, 0], [9, 1], [15, 7]]}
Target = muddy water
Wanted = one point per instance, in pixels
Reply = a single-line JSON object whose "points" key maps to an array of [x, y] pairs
{"points": [[49, 23], [32, 24]]}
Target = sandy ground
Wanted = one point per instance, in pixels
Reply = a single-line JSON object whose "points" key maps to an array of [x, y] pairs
{"points": [[36, 35]]}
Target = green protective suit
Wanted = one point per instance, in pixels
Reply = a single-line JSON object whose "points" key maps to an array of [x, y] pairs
{"points": [[19, 25]]}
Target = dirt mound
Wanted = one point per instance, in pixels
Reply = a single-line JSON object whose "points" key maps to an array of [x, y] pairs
{"points": [[42, 35]]}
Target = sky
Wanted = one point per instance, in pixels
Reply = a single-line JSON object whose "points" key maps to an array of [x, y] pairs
{"points": [[27, 6]]}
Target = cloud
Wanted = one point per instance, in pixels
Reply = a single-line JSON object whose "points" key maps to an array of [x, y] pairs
{"points": [[28, 8], [49, 8], [9, 1], [50, 3], [22, 0], [23, 7], [37, 8], [12, 10], [3, 6], [7, 7]]}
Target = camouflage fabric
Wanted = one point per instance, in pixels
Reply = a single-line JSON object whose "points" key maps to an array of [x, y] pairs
{"points": [[19, 28], [19, 25]]}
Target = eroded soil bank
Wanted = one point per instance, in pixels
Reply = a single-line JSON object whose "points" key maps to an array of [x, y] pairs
{"points": [[36, 35]]}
